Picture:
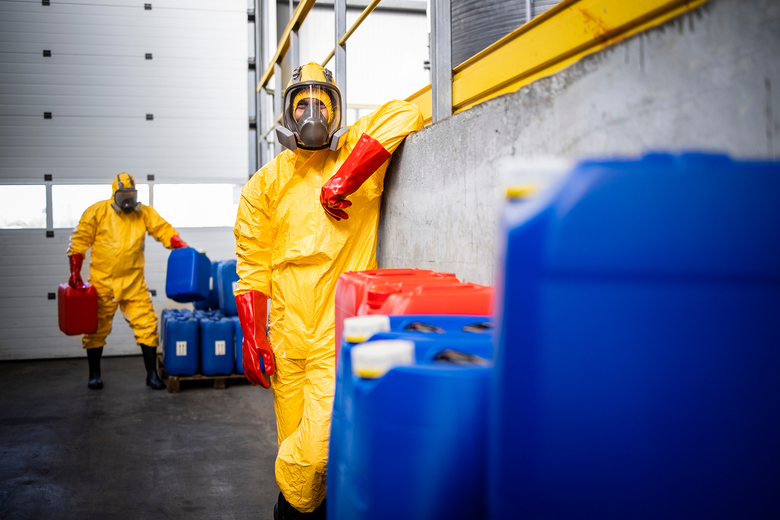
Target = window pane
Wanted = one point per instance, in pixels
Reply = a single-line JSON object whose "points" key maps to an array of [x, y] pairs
{"points": [[22, 207], [197, 205], [69, 201]]}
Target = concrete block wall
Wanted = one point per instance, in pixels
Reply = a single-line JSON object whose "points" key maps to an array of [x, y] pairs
{"points": [[708, 80]]}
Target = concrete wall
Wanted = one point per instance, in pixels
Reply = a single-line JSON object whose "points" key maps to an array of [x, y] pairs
{"points": [[708, 80]]}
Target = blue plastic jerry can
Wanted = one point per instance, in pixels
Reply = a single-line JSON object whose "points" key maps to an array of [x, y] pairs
{"points": [[217, 346], [180, 347], [227, 282], [411, 442], [637, 361], [188, 274], [212, 302]]}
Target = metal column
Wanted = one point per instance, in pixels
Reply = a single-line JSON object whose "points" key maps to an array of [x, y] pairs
{"points": [[340, 7], [261, 105], [294, 53], [529, 10], [277, 103], [441, 59]]}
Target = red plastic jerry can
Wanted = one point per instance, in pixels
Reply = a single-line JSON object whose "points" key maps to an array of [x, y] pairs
{"points": [[77, 310], [352, 289], [465, 298]]}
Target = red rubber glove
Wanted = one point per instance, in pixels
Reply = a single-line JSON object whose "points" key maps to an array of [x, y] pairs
{"points": [[252, 312], [177, 242], [75, 280], [363, 161]]}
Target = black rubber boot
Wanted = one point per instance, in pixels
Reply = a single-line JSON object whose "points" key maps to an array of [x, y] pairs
{"points": [[150, 361], [93, 358], [284, 511]]}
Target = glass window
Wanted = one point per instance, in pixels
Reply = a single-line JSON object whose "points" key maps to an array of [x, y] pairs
{"points": [[197, 205], [23, 207], [69, 201]]}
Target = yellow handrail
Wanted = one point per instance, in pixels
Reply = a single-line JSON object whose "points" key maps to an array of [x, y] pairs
{"points": [[355, 25], [549, 43], [284, 42]]}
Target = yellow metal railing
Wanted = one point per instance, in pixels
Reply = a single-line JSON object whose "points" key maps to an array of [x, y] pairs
{"points": [[284, 42], [355, 25], [545, 45]]}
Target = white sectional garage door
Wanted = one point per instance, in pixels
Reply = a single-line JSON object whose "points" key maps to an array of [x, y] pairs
{"points": [[90, 88]]}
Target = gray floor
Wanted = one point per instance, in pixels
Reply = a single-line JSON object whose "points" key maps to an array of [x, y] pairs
{"points": [[130, 452]]}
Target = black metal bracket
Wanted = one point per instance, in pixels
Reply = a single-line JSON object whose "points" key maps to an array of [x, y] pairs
{"points": [[49, 234], [147, 7], [47, 115], [148, 55], [47, 54], [150, 178], [52, 296], [150, 117]]}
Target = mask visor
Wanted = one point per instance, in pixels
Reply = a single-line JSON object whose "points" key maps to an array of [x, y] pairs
{"points": [[126, 200]]}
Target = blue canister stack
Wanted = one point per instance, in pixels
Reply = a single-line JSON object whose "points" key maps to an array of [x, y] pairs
{"points": [[636, 354], [412, 443], [636, 368], [199, 342]]}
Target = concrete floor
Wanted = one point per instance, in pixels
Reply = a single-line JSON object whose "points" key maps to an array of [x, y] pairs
{"points": [[130, 452]]}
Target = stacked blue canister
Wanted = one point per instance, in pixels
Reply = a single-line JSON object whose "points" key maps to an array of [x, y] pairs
{"points": [[217, 346], [638, 349], [410, 442], [180, 339], [227, 283]]}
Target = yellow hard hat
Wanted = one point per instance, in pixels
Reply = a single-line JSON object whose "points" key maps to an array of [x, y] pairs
{"points": [[122, 181]]}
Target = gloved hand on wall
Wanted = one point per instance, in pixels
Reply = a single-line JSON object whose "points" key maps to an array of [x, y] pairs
{"points": [[75, 280], [253, 312], [363, 161], [177, 242]]}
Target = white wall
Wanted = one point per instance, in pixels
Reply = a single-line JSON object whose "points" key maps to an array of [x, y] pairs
{"points": [[99, 87]]}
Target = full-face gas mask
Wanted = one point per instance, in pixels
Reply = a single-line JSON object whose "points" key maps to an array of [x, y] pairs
{"points": [[312, 111], [125, 196]]}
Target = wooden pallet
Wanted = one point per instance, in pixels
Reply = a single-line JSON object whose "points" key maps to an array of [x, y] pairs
{"points": [[173, 383]]}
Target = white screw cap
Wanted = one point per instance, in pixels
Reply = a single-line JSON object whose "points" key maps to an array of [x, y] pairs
{"points": [[360, 328], [375, 358]]}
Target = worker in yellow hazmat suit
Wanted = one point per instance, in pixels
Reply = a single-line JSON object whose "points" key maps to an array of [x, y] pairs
{"points": [[115, 230], [294, 238]]}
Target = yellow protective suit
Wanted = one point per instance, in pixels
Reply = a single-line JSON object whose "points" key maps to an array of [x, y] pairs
{"points": [[117, 266], [289, 249]]}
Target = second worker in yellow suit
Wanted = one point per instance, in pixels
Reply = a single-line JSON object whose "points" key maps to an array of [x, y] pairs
{"points": [[294, 238], [115, 229]]}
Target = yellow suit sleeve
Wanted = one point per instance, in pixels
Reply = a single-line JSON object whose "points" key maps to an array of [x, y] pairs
{"points": [[392, 122], [254, 235], [157, 226], [83, 236]]}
